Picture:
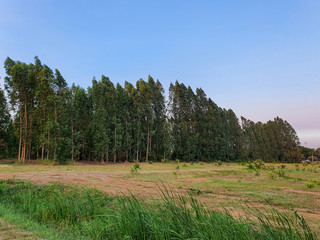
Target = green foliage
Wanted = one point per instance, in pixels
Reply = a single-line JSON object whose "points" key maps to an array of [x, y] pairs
{"points": [[281, 173], [8, 140], [310, 185], [274, 140], [90, 214], [164, 160], [259, 164], [135, 168], [272, 175], [128, 123], [47, 162]]}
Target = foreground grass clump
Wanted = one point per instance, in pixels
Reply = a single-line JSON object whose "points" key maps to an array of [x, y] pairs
{"points": [[91, 214]]}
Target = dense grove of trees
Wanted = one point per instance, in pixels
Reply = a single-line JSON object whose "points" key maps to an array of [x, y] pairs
{"points": [[114, 123]]}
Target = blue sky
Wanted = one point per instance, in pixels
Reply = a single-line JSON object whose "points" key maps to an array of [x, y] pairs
{"points": [[260, 58]]}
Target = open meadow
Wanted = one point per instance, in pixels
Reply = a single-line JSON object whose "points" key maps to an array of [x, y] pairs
{"points": [[235, 187]]}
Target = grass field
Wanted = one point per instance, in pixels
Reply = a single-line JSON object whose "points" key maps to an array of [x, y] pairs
{"points": [[233, 187]]}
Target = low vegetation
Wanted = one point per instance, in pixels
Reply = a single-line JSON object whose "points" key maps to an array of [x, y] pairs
{"points": [[89, 213]]}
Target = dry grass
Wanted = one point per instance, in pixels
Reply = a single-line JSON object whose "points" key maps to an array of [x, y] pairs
{"points": [[230, 186]]}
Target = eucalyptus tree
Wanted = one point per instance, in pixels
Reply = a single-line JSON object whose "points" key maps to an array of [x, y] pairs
{"points": [[131, 123], [159, 132], [20, 85], [5, 126]]}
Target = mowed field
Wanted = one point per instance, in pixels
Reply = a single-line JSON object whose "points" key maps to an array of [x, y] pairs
{"points": [[226, 186]]}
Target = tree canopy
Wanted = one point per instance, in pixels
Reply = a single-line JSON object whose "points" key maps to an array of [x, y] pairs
{"points": [[109, 122]]}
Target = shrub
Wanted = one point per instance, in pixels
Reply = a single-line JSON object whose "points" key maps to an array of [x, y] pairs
{"points": [[315, 182], [250, 166], [271, 175], [258, 164], [281, 173], [164, 160], [135, 168], [310, 185]]}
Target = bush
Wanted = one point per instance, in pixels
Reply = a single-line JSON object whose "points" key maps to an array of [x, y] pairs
{"points": [[310, 185], [250, 166], [281, 173], [164, 160], [271, 175], [283, 166], [259, 164], [135, 168]]}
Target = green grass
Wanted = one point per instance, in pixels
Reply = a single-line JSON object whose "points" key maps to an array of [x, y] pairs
{"points": [[90, 214]]}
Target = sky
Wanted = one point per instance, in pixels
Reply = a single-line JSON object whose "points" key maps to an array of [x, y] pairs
{"points": [[259, 58]]}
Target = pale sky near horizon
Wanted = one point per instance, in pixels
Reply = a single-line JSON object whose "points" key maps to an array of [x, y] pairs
{"points": [[259, 58]]}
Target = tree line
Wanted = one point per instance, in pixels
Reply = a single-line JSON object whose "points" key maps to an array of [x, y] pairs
{"points": [[112, 123]]}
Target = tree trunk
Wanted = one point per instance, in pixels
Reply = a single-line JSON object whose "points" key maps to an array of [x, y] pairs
{"points": [[48, 150], [25, 132], [29, 147], [42, 149], [20, 137], [44, 134], [55, 132], [102, 158], [126, 155], [115, 144], [126, 142], [137, 155], [72, 147], [147, 155]]}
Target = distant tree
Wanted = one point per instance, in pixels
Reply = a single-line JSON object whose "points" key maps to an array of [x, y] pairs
{"points": [[5, 126], [307, 152], [294, 155], [317, 152]]}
